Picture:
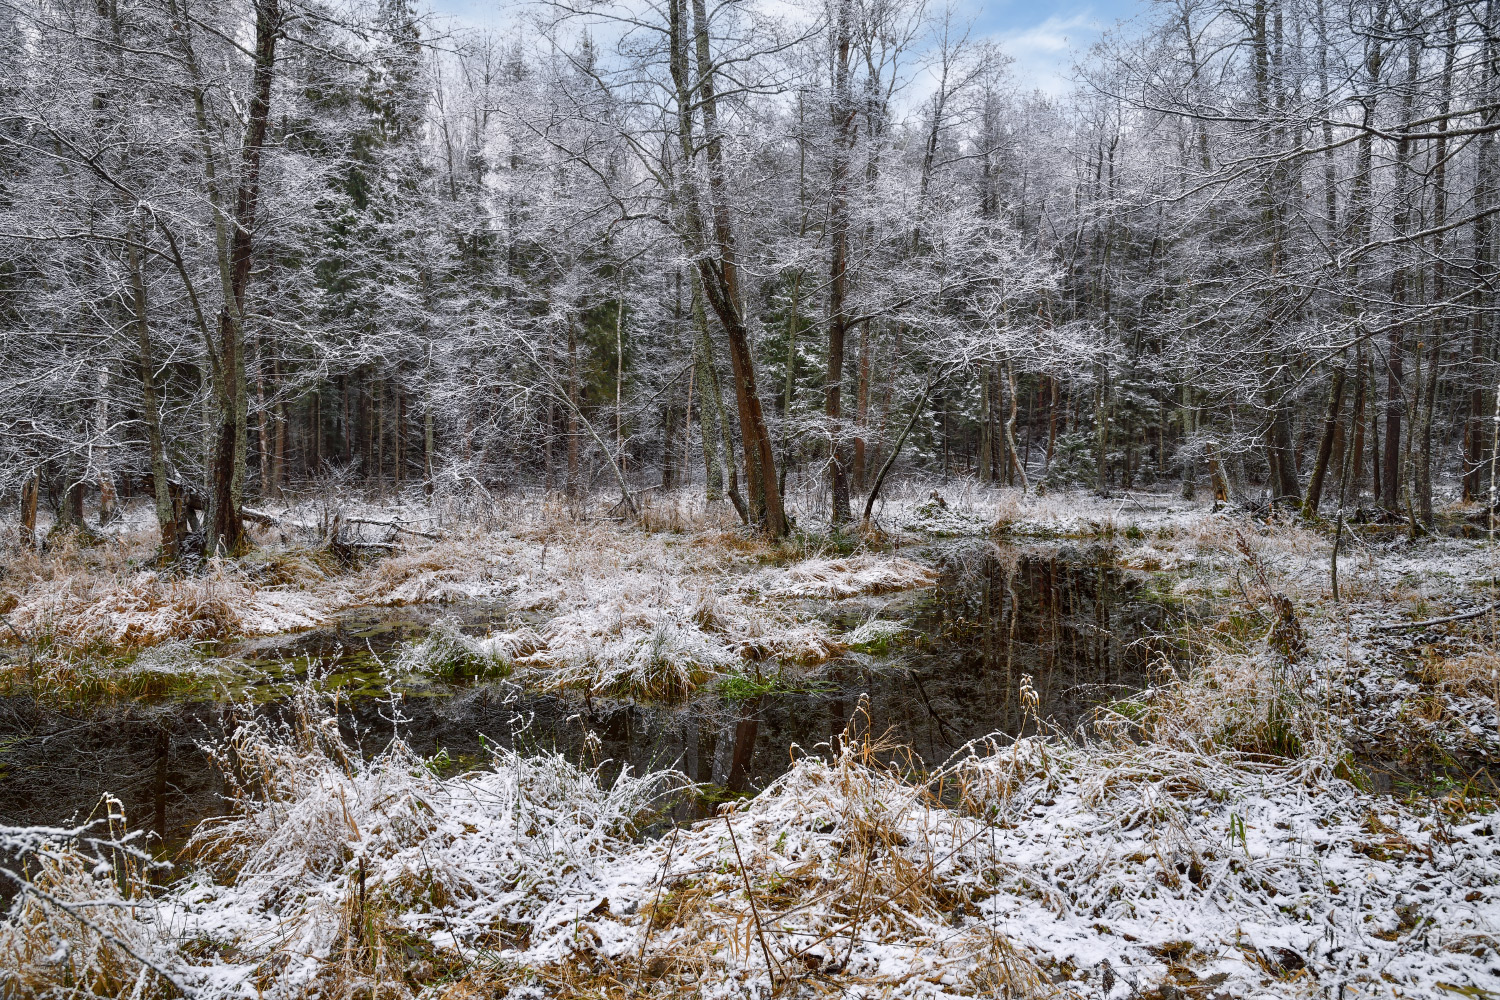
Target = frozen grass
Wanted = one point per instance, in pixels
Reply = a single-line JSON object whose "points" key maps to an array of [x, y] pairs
{"points": [[76, 598], [615, 609], [1215, 837], [630, 614], [335, 874], [836, 579], [447, 652], [1030, 867], [658, 610], [876, 635]]}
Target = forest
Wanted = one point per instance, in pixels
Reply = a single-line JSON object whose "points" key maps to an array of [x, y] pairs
{"points": [[736, 498], [248, 251]]}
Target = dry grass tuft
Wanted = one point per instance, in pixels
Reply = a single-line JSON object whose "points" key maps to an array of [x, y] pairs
{"points": [[836, 579], [84, 920], [1475, 675], [862, 872], [74, 607], [447, 652]]}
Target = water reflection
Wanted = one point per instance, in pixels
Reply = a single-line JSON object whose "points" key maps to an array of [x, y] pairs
{"points": [[1067, 617]]}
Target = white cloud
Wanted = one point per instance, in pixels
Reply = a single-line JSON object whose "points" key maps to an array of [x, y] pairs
{"points": [[1045, 52]]}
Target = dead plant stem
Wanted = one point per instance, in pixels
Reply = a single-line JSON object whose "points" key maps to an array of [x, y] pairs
{"points": [[771, 966]]}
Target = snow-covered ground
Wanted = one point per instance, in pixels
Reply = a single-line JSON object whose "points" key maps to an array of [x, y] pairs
{"points": [[1219, 837]]}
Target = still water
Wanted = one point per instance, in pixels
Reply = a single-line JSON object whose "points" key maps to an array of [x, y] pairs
{"points": [[1083, 630]]}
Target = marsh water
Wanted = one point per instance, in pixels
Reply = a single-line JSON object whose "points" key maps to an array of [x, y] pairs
{"points": [[1081, 629]]}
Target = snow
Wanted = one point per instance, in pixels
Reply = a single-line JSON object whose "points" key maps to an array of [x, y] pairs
{"points": [[1172, 853], [1113, 864]]}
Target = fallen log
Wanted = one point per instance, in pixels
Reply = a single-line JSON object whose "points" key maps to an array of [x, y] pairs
{"points": [[264, 520], [394, 526], [1465, 616]]}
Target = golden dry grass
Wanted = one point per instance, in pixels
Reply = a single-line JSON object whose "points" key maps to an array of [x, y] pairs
{"points": [[1470, 675]]}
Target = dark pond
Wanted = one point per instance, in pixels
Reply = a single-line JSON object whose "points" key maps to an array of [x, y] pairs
{"points": [[1080, 627]]}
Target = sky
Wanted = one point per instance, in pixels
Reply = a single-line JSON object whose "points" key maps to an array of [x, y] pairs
{"points": [[1043, 38]]}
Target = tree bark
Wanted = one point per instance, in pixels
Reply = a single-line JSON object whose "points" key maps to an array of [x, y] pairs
{"points": [[262, 421], [1439, 270], [225, 530], [789, 388], [30, 490], [714, 257], [166, 512], [718, 438], [1326, 442], [1483, 295], [721, 287], [862, 406], [844, 125], [1010, 430], [572, 486], [1357, 421], [1395, 394]]}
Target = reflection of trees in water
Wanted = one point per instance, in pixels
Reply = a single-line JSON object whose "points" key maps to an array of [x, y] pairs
{"points": [[55, 765], [998, 612], [1069, 621]]}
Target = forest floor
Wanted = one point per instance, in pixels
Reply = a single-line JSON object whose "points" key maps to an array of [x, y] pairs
{"points": [[1300, 805]]}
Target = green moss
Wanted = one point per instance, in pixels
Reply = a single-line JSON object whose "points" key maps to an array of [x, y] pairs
{"points": [[742, 687], [739, 686], [708, 796]]}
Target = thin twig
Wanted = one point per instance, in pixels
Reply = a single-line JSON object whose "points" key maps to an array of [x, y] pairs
{"points": [[771, 966], [651, 921], [394, 526]]}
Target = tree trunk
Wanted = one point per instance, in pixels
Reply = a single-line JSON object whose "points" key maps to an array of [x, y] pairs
{"points": [[1377, 481], [1439, 271], [789, 390], [1325, 443], [30, 489], [166, 513], [844, 125], [1395, 395], [572, 486], [1357, 421], [400, 437], [278, 454], [108, 506], [987, 468], [862, 406], [1010, 430], [314, 433], [429, 479], [620, 379], [1483, 294], [262, 422], [1101, 430], [225, 532], [718, 439], [721, 286], [1189, 460], [380, 408], [669, 443]]}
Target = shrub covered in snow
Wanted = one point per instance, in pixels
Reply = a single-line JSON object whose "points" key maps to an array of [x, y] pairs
{"points": [[1019, 867]]}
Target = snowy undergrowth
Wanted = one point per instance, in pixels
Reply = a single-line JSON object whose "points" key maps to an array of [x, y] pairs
{"points": [[1231, 852], [625, 613], [1031, 867], [611, 608], [72, 600]]}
